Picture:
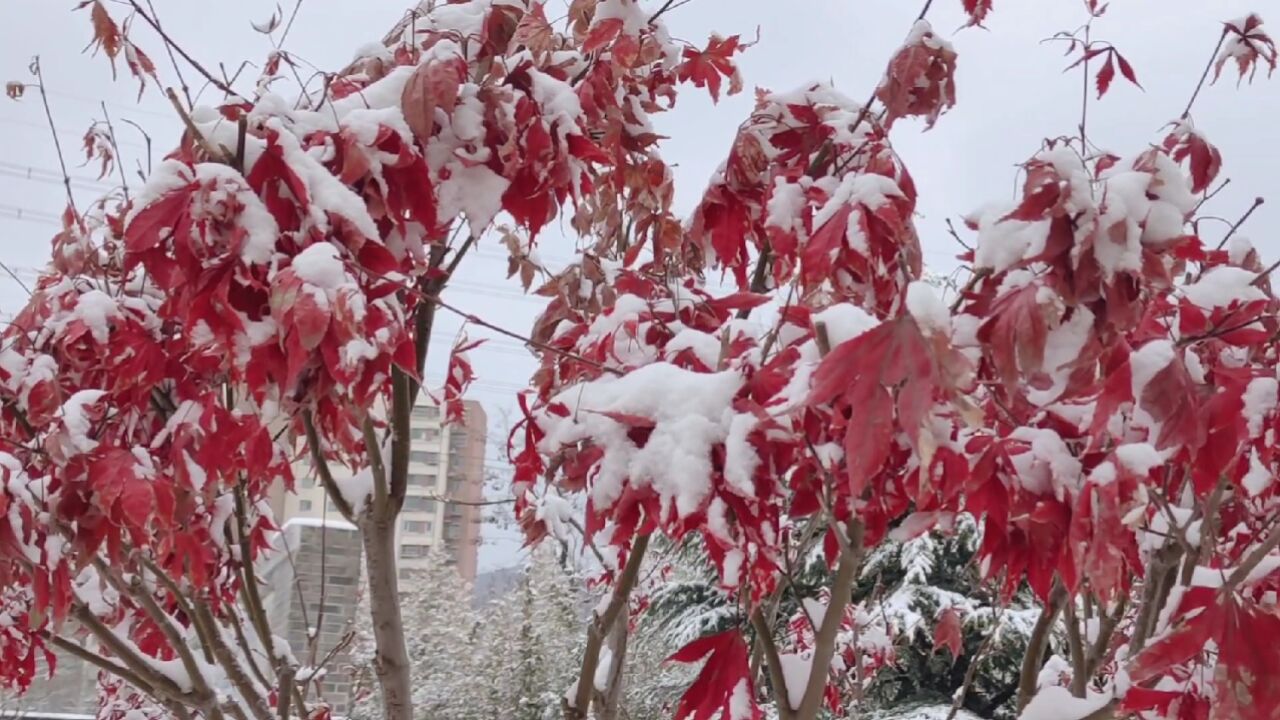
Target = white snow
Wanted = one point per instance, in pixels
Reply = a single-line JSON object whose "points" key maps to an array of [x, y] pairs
{"points": [[1057, 703], [96, 309], [732, 575], [1147, 361], [1004, 243], [1139, 458], [1259, 400], [73, 418], [320, 265], [795, 671], [690, 411], [1062, 347], [629, 12], [741, 702], [740, 460], [927, 310], [785, 204], [259, 225], [357, 489], [603, 667], [705, 346], [844, 322], [1221, 286], [1164, 222], [1258, 478], [1049, 466], [1216, 577], [475, 191]]}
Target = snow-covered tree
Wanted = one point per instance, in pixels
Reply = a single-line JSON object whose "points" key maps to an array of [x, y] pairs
{"points": [[1101, 394]]}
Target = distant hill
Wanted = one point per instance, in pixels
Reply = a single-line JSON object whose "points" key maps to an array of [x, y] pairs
{"points": [[493, 584]]}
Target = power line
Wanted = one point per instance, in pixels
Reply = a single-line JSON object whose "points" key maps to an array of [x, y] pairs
{"points": [[124, 108]]}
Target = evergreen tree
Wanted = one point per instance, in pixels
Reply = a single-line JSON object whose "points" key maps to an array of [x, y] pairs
{"points": [[909, 584]]}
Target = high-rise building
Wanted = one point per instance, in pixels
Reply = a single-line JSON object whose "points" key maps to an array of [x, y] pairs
{"points": [[311, 589], [446, 483]]}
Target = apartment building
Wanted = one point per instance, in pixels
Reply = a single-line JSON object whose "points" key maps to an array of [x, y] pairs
{"points": [[311, 589], [446, 480]]}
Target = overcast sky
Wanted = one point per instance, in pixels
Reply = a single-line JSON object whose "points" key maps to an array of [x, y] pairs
{"points": [[1011, 94]]}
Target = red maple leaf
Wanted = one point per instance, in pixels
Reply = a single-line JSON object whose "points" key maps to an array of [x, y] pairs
{"points": [[948, 633], [727, 666], [707, 67]]}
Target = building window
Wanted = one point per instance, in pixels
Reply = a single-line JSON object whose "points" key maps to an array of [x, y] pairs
{"points": [[427, 480], [418, 503], [427, 411], [414, 551], [304, 506], [420, 527], [424, 433], [422, 456]]}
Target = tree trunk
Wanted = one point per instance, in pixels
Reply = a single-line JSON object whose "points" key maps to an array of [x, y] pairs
{"points": [[391, 658], [611, 698]]}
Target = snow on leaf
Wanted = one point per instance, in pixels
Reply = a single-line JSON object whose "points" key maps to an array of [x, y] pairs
{"points": [[920, 80]]}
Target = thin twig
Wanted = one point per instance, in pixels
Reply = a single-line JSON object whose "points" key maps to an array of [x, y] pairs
{"points": [[1084, 95], [173, 60], [952, 230], [1265, 273], [9, 271], [1257, 202], [115, 148], [53, 132], [670, 5], [1205, 75], [146, 138], [288, 25], [971, 672], [169, 42], [522, 338]]}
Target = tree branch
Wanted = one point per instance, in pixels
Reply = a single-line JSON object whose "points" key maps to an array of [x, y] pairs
{"points": [[1075, 646], [764, 634], [1031, 662], [580, 706], [322, 468], [825, 642]]}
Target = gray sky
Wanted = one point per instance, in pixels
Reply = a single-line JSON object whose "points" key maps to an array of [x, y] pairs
{"points": [[1011, 94]]}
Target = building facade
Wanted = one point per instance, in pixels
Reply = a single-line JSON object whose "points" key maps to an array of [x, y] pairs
{"points": [[311, 590], [446, 483]]}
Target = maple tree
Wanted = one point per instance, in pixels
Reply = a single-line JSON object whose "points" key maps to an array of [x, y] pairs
{"points": [[1100, 396]]}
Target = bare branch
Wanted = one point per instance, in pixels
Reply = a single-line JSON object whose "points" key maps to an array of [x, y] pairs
{"points": [[1257, 202], [53, 133], [169, 43]]}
